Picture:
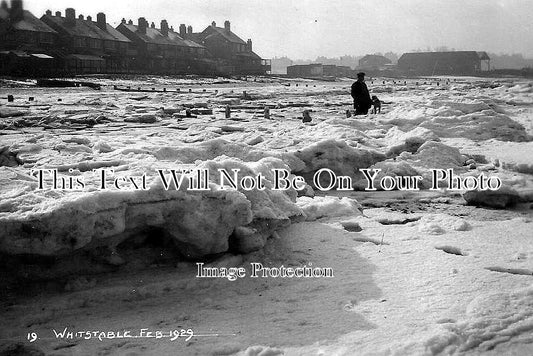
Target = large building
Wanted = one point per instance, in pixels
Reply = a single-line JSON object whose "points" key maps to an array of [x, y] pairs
{"points": [[442, 63], [70, 44], [374, 62], [233, 54]]}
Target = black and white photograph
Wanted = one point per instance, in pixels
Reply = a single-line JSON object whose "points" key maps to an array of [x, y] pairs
{"points": [[266, 178]]}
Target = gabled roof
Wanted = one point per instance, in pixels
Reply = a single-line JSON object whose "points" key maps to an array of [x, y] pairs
{"points": [[118, 36], [192, 43], [471, 55], [31, 23], [152, 35], [84, 28], [188, 42], [228, 35], [483, 56], [248, 54], [174, 36], [375, 57]]}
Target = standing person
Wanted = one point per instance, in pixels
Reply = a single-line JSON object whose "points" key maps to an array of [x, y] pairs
{"points": [[361, 96]]}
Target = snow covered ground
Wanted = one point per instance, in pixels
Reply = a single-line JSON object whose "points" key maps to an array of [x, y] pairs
{"points": [[414, 272]]}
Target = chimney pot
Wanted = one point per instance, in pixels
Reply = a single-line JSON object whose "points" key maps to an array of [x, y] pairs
{"points": [[189, 30], [123, 20], [183, 30], [89, 18], [142, 24], [101, 21], [164, 28], [227, 25], [48, 12], [17, 10], [214, 24], [70, 13], [80, 17], [130, 22], [152, 25], [58, 13]]}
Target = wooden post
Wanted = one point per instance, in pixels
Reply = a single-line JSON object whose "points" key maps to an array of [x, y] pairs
{"points": [[306, 116]]}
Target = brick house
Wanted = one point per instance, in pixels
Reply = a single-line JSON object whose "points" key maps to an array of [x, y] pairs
{"points": [[87, 46], [25, 42], [160, 50], [235, 55]]}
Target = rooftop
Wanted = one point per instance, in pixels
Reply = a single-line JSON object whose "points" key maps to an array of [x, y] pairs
{"points": [[85, 28]]}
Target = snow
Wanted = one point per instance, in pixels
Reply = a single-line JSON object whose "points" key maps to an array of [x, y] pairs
{"points": [[328, 206], [415, 273]]}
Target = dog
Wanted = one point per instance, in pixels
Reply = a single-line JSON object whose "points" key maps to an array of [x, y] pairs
{"points": [[376, 105]]}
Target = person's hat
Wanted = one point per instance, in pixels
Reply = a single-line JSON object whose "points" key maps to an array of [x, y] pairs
{"points": [[360, 74]]}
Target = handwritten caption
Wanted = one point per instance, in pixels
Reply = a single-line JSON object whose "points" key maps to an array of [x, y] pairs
{"points": [[66, 334]]}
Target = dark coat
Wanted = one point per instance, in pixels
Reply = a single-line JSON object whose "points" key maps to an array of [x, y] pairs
{"points": [[361, 96]]}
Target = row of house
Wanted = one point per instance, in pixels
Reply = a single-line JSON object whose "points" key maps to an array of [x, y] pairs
{"points": [[69, 44], [409, 64]]}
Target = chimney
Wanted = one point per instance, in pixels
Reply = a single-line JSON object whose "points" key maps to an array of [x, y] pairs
{"points": [[80, 17], [123, 20], [58, 13], [189, 30], [183, 30], [48, 13], [130, 22], [17, 10], [152, 25], [142, 24], [214, 24], [70, 15], [89, 18], [249, 45], [227, 26], [101, 21], [164, 28]]}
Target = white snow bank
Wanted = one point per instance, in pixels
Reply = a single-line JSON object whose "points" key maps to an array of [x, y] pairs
{"points": [[328, 206], [435, 155], [201, 222], [437, 224], [399, 141], [208, 150], [490, 320], [474, 119], [338, 156]]}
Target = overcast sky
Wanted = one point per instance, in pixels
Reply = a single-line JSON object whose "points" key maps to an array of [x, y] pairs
{"points": [[305, 29]]}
